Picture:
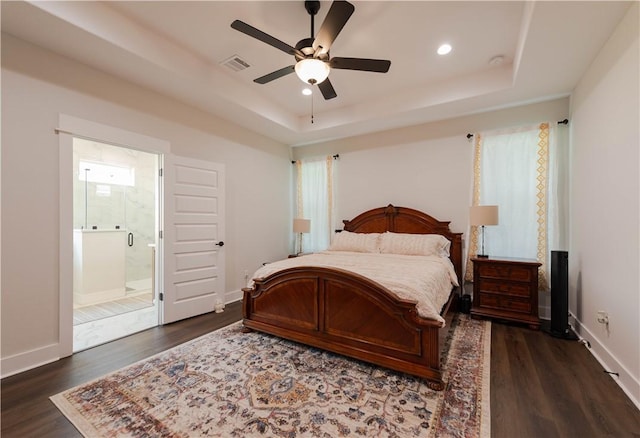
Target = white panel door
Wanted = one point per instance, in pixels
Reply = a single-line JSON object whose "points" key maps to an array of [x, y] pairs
{"points": [[193, 237]]}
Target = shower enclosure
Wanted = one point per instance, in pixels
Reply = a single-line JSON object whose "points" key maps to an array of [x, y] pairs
{"points": [[115, 221]]}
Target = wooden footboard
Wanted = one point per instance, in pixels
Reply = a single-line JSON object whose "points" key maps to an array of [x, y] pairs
{"points": [[346, 313]]}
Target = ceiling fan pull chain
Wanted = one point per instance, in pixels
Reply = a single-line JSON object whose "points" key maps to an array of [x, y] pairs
{"points": [[312, 93]]}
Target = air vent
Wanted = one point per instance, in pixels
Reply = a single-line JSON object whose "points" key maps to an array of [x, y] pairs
{"points": [[235, 63]]}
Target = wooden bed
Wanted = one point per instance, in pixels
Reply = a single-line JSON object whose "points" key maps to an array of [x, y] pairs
{"points": [[346, 313]]}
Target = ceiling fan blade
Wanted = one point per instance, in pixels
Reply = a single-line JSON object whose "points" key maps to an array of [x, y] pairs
{"points": [[265, 38], [327, 89], [374, 65], [336, 18], [275, 75]]}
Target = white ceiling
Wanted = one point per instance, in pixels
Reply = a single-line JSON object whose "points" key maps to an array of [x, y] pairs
{"points": [[176, 47]]}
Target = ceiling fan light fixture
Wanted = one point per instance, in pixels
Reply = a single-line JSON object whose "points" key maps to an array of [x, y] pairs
{"points": [[444, 49], [312, 71], [312, 60]]}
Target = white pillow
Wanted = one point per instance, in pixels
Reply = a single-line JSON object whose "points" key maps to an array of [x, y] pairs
{"points": [[414, 244], [356, 242]]}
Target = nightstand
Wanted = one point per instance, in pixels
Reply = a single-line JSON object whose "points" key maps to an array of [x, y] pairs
{"points": [[506, 288]]}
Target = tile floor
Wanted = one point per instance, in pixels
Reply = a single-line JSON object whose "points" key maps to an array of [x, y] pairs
{"points": [[99, 331]]}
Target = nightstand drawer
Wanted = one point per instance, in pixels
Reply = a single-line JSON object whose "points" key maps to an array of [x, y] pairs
{"points": [[520, 289], [507, 272], [504, 303]]}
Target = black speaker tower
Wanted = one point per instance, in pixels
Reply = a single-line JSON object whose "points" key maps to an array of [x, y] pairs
{"points": [[560, 296]]}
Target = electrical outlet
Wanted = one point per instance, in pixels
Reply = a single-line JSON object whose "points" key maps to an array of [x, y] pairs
{"points": [[602, 317]]}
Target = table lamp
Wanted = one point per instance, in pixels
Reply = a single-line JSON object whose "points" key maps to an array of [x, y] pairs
{"points": [[301, 226], [481, 215]]}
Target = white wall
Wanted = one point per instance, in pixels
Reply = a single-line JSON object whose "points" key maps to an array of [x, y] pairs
{"points": [[37, 86], [604, 230], [432, 176]]}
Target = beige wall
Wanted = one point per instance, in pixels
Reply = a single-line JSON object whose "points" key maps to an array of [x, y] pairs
{"points": [[605, 222], [37, 86]]}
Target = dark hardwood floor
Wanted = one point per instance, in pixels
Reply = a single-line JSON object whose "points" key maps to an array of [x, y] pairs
{"points": [[540, 386]]}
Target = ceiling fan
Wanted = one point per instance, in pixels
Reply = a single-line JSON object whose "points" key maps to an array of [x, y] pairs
{"points": [[313, 62]]}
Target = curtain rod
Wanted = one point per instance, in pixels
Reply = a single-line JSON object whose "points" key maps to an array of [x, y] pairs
{"points": [[560, 122], [335, 157]]}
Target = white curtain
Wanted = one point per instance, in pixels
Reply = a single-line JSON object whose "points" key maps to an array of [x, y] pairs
{"points": [[315, 200], [508, 180], [524, 172]]}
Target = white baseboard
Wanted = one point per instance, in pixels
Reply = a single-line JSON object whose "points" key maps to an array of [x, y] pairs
{"points": [[233, 296], [544, 312], [629, 383], [29, 359]]}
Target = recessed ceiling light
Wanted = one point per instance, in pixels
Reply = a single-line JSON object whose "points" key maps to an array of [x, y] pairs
{"points": [[307, 91], [444, 49]]}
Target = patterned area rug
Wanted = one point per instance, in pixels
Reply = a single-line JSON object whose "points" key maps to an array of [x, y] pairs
{"points": [[233, 384]]}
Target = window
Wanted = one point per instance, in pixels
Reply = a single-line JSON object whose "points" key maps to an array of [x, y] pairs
{"points": [[523, 172], [315, 200], [106, 173]]}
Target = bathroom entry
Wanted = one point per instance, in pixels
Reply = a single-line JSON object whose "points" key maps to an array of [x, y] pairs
{"points": [[115, 224]]}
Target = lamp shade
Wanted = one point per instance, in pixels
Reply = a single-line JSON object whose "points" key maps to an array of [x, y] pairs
{"points": [[484, 215], [301, 225], [312, 71]]}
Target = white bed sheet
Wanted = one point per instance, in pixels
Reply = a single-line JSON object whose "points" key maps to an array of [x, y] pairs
{"points": [[428, 280]]}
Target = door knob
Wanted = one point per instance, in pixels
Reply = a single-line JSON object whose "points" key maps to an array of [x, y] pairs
{"points": [[220, 243]]}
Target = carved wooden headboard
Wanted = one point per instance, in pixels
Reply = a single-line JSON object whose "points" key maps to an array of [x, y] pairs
{"points": [[407, 220]]}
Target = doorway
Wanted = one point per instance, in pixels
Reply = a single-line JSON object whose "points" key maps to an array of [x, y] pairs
{"points": [[189, 270], [115, 226]]}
